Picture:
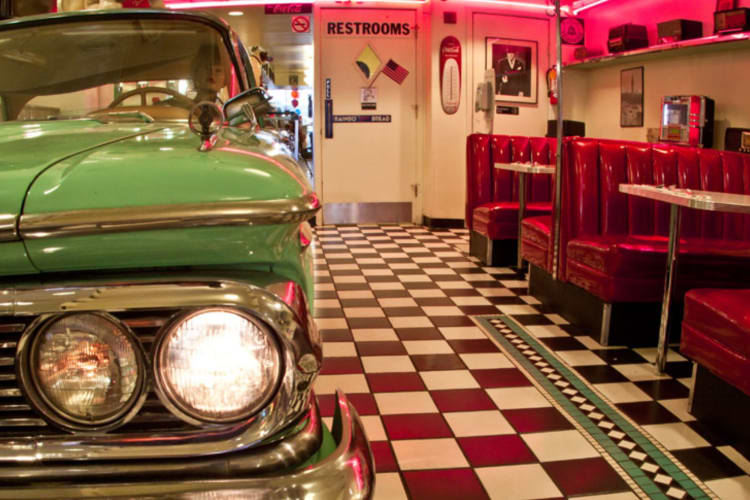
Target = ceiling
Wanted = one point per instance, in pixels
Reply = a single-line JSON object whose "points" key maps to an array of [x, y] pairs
{"points": [[290, 51]]}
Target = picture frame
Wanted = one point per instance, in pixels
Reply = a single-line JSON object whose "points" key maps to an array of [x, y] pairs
{"points": [[725, 5], [631, 97], [516, 69]]}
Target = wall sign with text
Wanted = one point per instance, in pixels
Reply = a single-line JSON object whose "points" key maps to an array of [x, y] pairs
{"points": [[369, 29], [450, 74], [288, 8]]}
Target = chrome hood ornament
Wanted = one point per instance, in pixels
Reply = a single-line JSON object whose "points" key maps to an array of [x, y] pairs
{"points": [[206, 120]]}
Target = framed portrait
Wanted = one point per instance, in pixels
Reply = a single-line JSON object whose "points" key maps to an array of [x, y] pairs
{"points": [[631, 97], [515, 65], [725, 4]]}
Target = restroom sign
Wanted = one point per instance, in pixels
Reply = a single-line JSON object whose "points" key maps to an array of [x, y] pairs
{"points": [[301, 24], [369, 29]]}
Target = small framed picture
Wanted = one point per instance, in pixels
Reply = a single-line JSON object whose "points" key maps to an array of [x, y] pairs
{"points": [[631, 97], [368, 97], [515, 65], [725, 4]]}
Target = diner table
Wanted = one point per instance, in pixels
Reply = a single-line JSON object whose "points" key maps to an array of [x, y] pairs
{"points": [[678, 198], [523, 170]]}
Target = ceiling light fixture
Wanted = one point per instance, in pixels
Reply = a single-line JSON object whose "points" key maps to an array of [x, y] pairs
{"points": [[228, 3], [238, 3], [235, 13], [577, 10]]}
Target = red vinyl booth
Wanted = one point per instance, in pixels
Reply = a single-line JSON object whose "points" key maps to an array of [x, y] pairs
{"points": [[492, 194], [716, 335], [613, 246]]}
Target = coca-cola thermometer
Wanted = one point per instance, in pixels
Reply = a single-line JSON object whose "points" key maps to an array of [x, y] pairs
{"points": [[450, 74]]}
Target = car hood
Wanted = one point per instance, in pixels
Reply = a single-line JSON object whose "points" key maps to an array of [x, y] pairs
{"points": [[53, 170], [30, 148], [162, 166]]}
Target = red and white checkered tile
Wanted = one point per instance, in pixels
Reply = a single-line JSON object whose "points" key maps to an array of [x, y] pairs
{"points": [[448, 415]]}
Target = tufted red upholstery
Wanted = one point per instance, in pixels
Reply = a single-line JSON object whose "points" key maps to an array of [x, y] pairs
{"points": [[478, 175], [614, 245], [536, 241], [716, 333], [494, 214]]}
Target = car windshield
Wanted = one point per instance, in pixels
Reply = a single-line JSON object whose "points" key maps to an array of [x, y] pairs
{"points": [[112, 69]]}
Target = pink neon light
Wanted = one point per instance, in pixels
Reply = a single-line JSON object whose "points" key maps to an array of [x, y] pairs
{"points": [[511, 3], [588, 6], [205, 4]]}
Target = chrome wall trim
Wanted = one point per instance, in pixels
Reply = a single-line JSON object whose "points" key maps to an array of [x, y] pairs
{"points": [[290, 401], [367, 212], [8, 227], [348, 472], [178, 216]]}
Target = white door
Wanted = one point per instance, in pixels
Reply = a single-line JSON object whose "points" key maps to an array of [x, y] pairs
{"points": [[368, 167]]}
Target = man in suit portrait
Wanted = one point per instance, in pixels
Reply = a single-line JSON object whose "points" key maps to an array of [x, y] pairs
{"points": [[512, 73]]}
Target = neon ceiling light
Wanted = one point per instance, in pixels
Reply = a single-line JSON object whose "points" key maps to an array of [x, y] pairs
{"points": [[206, 4], [588, 6], [526, 5]]}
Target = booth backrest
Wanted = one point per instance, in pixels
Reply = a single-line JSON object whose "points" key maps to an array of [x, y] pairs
{"points": [[478, 175], [593, 205], [485, 184]]}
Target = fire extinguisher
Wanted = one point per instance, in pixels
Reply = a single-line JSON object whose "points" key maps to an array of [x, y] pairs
{"points": [[552, 85]]}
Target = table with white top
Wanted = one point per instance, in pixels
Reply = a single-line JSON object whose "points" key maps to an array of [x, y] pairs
{"points": [[678, 198], [523, 170]]}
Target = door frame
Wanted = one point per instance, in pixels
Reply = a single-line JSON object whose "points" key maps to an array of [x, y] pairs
{"points": [[419, 99]]}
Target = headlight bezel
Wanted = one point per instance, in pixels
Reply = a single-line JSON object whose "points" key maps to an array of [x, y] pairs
{"points": [[173, 402], [26, 366]]}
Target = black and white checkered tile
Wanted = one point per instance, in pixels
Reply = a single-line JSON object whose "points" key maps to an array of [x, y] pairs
{"points": [[448, 415]]}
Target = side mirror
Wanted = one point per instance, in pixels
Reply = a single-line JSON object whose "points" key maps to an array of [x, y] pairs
{"points": [[248, 107]]}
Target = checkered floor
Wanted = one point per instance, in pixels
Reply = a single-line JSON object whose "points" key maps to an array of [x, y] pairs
{"points": [[447, 414]]}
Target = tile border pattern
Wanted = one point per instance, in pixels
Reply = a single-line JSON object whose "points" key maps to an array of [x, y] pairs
{"points": [[643, 463]]}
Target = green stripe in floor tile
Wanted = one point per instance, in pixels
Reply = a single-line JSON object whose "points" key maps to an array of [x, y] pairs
{"points": [[628, 438]]}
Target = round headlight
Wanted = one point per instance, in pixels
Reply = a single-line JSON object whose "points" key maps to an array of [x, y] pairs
{"points": [[87, 368], [217, 365]]}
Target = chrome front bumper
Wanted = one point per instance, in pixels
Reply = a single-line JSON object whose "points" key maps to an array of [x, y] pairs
{"points": [[347, 473]]}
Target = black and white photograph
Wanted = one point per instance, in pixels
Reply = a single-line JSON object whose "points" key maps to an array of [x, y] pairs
{"points": [[631, 97], [514, 62]]}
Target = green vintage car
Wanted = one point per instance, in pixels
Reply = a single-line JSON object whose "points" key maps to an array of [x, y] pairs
{"points": [[156, 336]]}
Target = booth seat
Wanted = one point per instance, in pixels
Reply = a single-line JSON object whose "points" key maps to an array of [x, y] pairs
{"points": [[536, 241], [613, 246], [716, 335], [492, 194], [616, 244]]}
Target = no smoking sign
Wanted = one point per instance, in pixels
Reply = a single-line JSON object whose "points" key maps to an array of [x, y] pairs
{"points": [[301, 24]]}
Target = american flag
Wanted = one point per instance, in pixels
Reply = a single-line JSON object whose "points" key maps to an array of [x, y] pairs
{"points": [[395, 72]]}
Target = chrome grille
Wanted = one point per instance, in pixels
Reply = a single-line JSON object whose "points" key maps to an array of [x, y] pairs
{"points": [[18, 418]]}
